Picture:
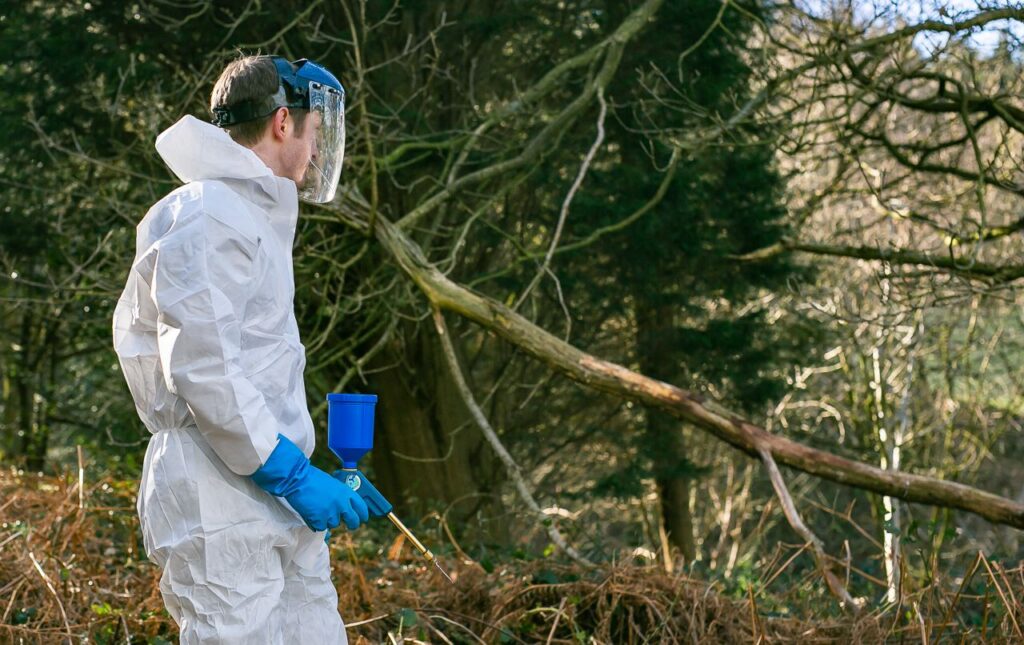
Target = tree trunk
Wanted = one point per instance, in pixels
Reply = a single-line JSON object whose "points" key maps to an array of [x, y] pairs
{"points": [[9, 420], [44, 402], [23, 393], [674, 492], [427, 448], [664, 435]]}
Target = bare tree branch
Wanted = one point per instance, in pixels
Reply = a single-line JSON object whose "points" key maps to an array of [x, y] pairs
{"points": [[837, 588], [492, 438]]}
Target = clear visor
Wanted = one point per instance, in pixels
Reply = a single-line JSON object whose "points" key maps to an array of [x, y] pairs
{"points": [[324, 171]]}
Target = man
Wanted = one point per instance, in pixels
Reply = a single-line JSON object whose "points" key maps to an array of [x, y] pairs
{"points": [[205, 331]]}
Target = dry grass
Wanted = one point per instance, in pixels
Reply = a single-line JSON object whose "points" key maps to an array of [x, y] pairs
{"points": [[68, 572], [615, 605]]}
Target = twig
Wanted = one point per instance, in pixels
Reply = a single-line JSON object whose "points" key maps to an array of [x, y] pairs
{"points": [[364, 123], [81, 478], [492, 437], [795, 521], [785, 565], [540, 145], [10, 501], [440, 634], [849, 560], [999, 590], [10, 538], [920, 622], [753, 615], [443, 522], [49, 585], [659, 195], [554, 623], [564, 214], [707, 32], [1009, 586], [458, 624], [10, 603], [504, 632], [367, 621]]}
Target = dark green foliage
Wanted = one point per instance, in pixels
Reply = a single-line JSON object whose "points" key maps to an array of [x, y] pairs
{"points": [[679, 261]]}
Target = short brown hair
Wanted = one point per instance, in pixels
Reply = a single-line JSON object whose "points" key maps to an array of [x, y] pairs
{"points": [[249, 78]]}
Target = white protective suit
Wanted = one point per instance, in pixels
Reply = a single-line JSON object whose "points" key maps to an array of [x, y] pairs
{"points": [[206, 335]]}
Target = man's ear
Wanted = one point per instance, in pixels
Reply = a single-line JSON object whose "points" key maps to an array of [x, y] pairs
{"points": [[280, 124]]}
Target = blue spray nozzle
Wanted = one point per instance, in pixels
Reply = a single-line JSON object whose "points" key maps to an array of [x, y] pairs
{"points": [[350, 426]]}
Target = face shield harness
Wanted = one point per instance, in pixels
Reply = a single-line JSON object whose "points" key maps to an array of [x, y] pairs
{"points": [[308, 86]]}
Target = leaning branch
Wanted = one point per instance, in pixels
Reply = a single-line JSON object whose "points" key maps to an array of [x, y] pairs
{"points": [[797, 523], [619, 381]]}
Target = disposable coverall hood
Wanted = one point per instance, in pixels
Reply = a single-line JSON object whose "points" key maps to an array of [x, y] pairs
{"points": [[206, 335], [196, 151]]}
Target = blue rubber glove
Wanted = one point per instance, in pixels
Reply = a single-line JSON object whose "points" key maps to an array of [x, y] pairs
{"points": [[321, 500]]}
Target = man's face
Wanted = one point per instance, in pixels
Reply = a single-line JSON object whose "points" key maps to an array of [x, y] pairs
{"points": [[300, 147]]}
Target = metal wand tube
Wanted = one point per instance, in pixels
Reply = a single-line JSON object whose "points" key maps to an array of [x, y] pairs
{"points": [[419, 545]]}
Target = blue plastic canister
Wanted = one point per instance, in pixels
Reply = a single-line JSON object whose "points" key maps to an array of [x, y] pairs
{"points": [[350, 426]]}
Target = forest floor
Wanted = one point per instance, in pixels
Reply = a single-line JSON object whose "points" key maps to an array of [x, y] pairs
{"points": [[71, 571]]}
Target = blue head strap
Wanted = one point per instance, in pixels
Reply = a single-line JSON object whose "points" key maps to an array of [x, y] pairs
{"points": [[292, 92]]}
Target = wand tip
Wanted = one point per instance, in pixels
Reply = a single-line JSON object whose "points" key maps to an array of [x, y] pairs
{"points": [[443, 572]]}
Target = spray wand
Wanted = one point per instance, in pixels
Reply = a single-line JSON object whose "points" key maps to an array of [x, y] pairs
{"points": [[350, 436]]}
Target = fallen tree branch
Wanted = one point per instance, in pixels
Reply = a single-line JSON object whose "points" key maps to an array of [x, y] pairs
{"points": [[619, 381], [499, 448], [837, 588]]}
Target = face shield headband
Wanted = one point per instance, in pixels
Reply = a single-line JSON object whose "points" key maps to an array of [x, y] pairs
{"points": [[308, 86]]}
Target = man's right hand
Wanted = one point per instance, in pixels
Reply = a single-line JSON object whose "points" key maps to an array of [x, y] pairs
{"points": [[321, 500]]}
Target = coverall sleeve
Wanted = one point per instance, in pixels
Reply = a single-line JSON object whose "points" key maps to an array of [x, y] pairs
{"points": [[201, 279]]}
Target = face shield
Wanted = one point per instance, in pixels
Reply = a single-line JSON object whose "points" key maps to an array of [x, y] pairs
{"points": [[327, 114], [308, 86]]}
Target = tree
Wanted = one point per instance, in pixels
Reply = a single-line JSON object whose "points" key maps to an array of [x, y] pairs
{"points": [[493, 196], [695, 314]]}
